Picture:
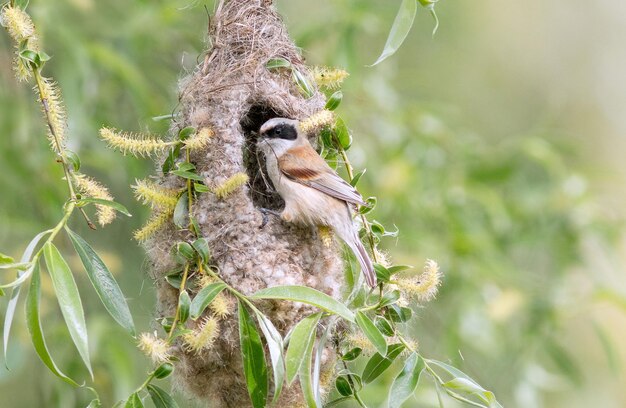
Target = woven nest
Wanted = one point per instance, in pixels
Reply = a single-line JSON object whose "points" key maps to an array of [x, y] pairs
{"points": [[233, 93]]}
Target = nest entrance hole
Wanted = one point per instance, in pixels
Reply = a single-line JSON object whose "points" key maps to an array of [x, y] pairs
{"points": [[261, 190]]}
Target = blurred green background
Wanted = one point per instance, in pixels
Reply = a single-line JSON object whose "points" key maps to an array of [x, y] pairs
{"points": [[496, 148]]}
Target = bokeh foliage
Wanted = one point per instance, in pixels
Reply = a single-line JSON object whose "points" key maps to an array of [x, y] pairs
{"points": [[506, 215]]}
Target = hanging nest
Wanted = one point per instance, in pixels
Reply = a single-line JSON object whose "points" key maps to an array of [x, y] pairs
{"points": [[233, 93]]}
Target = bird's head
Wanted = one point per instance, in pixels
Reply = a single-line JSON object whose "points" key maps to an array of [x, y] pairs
{"points": [[279, 134]]}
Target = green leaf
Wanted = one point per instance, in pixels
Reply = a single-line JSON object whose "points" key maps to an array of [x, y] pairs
{"points": [[185, 166], [201, 245], [275, 345], [399, 268], [343, 386], [188, 175], [186, 132], [200, 188], [305, 87], [399, 30], [15, 292], [306, 295], [334, 100], [33, 323], [302, 355], [276, 63], [371, 332], [134, 401], [161, 398], [116, 206], [377, 364], [384, 326], [343, 134], [382, 273], [181, 211], [204, 298], [5, 259], [73, 159], [103, 282], [301, 340], [184, 302], [174, 279], [184, 252], [390, 298], [352, 354], [406, 382], [399, 314], [164, 370], [69, 300], [253, 358], [29, 55], [357, 177]]}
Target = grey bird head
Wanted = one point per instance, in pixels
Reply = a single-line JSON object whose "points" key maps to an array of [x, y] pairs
{"points": [[279, 128]]}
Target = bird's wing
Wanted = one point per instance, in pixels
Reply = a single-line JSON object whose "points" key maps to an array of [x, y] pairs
{"points": [[303, 165]]}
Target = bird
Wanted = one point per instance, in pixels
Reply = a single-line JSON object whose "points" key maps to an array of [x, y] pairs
{"points": [[314, 194]]}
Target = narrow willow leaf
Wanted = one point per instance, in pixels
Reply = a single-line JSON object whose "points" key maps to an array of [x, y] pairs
{"points": [[116, 206], [276, 346], [384, 326], [406, 382], [103, 282], [15, 293], [304, 373], [303, 83], [371, 332], [399, 30], [186, 132], [343, 386], [204, 298], [5, 259], [399, 268], [275, 63], [253, 358], [334, 100], [357, 177], [377, 364], [181, 211], [306, 295], [201, 245], [161, 398], [33, 323], [302, 338], [69, 300], [184, 303], [343, 134], [134, 401], [319, 355], [188, 175], [73, 159], [352, 354]]}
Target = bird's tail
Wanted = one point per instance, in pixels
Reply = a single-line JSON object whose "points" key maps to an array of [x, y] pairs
{"points": [[364, 260]]}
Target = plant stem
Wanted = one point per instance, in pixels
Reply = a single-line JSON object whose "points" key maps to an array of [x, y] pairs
{"points": [[190, 197], [366, 225], [57, 142]]}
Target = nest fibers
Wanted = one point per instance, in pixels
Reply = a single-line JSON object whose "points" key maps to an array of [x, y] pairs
{"points": [[233, 93]]}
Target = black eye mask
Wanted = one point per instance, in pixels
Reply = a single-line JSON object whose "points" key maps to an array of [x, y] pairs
{"points": [[282, 131]]}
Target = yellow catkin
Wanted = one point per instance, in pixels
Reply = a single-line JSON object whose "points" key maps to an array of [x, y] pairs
{"points": [[220, 306], [326, 235], [330, 78], [200, 140], [317, 121], [51, 95], [135, 144], [203, 337], [230, 185], [22, 73], [18, 24], [424, 286], [151, 194], [91, 188], [155, 348], [154, 224]]}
